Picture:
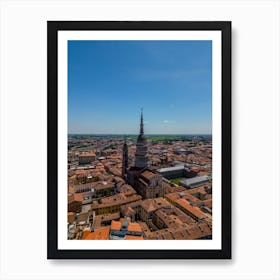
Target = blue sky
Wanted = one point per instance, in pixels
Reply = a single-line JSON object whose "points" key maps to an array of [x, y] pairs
{"points": [[110, 81]]}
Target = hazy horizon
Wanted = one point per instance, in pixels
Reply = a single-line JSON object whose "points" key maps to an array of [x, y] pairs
{"points": [[151, 134]]}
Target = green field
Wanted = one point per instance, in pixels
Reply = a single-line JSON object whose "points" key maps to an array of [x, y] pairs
{"points": [[176, 180]]}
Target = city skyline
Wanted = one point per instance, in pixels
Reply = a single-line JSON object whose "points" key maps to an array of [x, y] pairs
{"points": [[110, 81]]}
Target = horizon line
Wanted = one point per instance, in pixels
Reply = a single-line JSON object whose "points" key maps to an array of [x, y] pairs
{"points": [[138, 134]]}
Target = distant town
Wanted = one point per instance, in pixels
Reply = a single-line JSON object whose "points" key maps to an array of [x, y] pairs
{"points": [[139, 187]]}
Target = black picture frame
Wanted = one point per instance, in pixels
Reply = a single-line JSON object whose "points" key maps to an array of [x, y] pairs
{"points": [[53, 27]]}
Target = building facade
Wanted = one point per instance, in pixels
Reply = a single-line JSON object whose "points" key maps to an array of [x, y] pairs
{"points": [[86, 158]]}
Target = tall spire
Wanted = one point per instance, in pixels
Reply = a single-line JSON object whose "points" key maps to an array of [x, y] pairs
{"points": [[141, 123], [141, 147]]}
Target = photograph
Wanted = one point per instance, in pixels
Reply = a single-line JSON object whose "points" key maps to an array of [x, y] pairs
{"points": [[142, 132], [139, 140]]}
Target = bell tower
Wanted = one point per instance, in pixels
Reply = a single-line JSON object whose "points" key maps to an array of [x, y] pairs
{"points": [[124, 160]]}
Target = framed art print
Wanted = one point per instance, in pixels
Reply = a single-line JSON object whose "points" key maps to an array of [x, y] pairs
{"points": [[139, 140]]}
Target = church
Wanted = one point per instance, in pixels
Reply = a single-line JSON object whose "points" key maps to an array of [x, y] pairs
{"points": [[145, 181]]}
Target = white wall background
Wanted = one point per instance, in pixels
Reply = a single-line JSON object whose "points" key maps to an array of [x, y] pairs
{"points": [[255, 100]]}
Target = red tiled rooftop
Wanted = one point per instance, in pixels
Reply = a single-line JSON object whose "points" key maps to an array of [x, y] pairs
{"points": [[134, 227], [149, 205], [115, 225], [88, 155], [133, 237], [75, 197], [193, 210], [98, 234], [147, 174]]}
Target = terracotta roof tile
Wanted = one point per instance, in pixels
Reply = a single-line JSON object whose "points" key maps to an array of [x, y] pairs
{"points": [[191, 209], [115, 225], [133, 237], [134, 227], [147, 174], [99, 234]]}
